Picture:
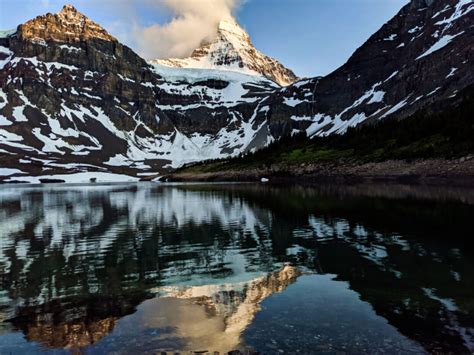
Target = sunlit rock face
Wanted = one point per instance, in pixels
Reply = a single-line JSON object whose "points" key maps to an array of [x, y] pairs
{"points": [[68, 25]]}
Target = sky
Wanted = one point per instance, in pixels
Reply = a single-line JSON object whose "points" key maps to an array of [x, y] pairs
{"points": [[311, 37]]}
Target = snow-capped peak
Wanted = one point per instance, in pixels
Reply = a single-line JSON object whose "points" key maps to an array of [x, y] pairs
{"points": [[232, 49], [231, 29]]}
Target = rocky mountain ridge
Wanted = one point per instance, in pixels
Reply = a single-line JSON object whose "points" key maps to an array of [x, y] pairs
{"points": [[73, 99], [68, 25], [420, 57], [94, 105]]}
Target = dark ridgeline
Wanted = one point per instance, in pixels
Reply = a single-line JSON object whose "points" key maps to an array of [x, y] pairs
{"points": [[72, 91]]}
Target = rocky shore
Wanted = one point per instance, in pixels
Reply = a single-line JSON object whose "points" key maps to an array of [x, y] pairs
{"points": [[436, 171]]}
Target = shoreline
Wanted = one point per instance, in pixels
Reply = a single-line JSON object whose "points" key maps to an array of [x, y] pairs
{"points": [[429, 171], [436, 172]]}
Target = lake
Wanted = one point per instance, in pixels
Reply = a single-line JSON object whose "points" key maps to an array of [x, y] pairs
{"points": [[150, 268]]}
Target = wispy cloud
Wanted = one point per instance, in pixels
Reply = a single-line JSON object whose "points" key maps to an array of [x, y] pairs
{"points": [[193, 21], [46, 3]]}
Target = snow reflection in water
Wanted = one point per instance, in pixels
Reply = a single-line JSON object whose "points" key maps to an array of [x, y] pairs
{"points": [[78, 264]]}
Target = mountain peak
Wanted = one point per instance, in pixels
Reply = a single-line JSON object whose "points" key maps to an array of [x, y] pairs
{"points": [[68, 25], [68, 9], [230, 26], [232, 49], [69, 15]]}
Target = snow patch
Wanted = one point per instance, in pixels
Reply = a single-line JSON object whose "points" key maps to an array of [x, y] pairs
{"points": [[377, 96], [459, 12], [83, 177], [292, 102], [441, 43], [394, 74], [8, 171], [391, 37], [70, 48], [18, 114], [7, 33], [395, 108], [414, 29], [451, 73], [303, 118], [447, 7], [4, 121], [434, 91]]}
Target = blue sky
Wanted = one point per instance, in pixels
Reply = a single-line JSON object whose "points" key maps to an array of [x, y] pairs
{"points": [[312, 37]]}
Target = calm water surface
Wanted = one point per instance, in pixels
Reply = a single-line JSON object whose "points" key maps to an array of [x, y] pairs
{"points": [[147, 268]]}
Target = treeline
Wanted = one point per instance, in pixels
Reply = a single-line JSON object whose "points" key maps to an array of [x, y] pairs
{"points": [[446, 134]]}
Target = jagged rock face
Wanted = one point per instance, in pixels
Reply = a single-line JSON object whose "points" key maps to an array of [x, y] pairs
{"points": [[86, 102], [67, 26], [421, 57], [232, 49]]}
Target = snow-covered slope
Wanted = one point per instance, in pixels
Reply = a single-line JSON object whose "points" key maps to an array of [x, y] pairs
{"points": [[232, 49], [73, 99], [83, 102], [238, 130], [421, 59]]}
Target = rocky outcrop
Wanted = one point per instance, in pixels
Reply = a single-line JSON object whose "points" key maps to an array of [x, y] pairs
{"points": [[67, 26]]}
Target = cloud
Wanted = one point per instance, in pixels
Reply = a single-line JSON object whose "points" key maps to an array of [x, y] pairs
{"points": [[193, 21]]}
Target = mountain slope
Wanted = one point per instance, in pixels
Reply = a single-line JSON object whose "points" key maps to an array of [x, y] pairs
{"points": [[422, 56], [73, 99], [233, 50], [433, 146]]}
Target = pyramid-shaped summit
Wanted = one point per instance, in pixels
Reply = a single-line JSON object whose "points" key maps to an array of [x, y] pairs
{"points": [[232, 49], [68, 25]]}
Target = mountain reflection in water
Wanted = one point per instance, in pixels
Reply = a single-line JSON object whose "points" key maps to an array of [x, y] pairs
{"points": [[224, 267]]}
